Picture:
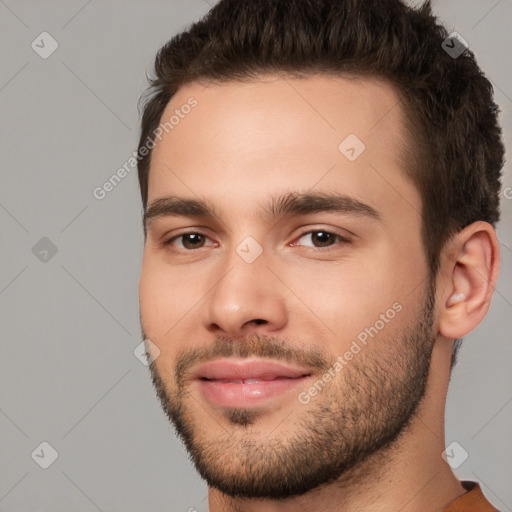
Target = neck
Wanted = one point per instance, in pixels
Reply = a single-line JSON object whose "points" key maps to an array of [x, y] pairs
{"points": [[409, 474]]}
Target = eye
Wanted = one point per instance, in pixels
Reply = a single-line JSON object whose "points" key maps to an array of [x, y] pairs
{"points": [[188, 241], [319, 239], [322, 239]]}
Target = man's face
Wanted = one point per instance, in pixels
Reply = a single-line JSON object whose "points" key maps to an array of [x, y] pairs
{"points": [[340, 295]]}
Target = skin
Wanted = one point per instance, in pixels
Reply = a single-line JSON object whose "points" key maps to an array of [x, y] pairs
{"points": [[243, 142]]}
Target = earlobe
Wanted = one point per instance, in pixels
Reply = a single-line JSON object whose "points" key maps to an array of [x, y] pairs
{"points": [[469, 279]]}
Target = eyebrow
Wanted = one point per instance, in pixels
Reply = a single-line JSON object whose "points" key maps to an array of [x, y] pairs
{"points": [[290, 204]]}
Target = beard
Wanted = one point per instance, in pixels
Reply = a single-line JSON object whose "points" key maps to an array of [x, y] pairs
{"points": [[360, 414]]}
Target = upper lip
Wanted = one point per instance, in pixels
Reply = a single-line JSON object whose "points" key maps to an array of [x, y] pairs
{"points": [[253, 369]]}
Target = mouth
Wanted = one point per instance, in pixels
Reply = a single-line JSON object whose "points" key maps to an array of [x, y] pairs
{"points": [[230, 384], [250, 381]]}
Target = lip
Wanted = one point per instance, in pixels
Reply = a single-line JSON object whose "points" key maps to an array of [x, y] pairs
{"points": [[226, 369], [223, 382]]}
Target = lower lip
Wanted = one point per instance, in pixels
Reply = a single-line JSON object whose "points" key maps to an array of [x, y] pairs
{"points": [[225, 394]]}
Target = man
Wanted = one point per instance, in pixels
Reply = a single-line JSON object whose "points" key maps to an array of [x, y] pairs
{"points": [[320, 183]]}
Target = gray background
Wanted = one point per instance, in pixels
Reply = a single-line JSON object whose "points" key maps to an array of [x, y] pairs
{"points": [[70, 324]]}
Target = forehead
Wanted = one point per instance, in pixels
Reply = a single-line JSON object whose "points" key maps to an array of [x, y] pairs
{"points": [[293, 133]]}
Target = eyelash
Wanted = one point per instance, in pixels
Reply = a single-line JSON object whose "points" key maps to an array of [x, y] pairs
{"points": [[342, 240]]}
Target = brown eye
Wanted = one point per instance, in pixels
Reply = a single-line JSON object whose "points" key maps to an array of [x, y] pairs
{"points": [[193, 240], [187, 241], [320, 239]]}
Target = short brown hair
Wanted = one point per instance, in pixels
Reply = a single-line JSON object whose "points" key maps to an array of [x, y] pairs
{"points": [[457, 152]]}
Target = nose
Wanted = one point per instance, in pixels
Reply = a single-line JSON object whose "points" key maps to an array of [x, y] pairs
{"points": [[249, 295]]}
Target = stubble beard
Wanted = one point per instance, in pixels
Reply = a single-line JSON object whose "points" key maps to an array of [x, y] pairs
{"points": [[361, 412]]}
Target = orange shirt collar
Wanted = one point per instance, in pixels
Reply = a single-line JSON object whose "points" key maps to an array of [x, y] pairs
{"points": [[471, 501]]}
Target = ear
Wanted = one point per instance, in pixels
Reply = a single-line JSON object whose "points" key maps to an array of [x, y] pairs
{"points": [[469, 270]]}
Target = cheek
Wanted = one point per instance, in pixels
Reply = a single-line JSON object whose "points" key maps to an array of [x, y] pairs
{"points": [[340, 303], [344, 299], [165, 297]]}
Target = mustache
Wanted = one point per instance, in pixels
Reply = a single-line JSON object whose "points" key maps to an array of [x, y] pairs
{"points": [[255, 345]]}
